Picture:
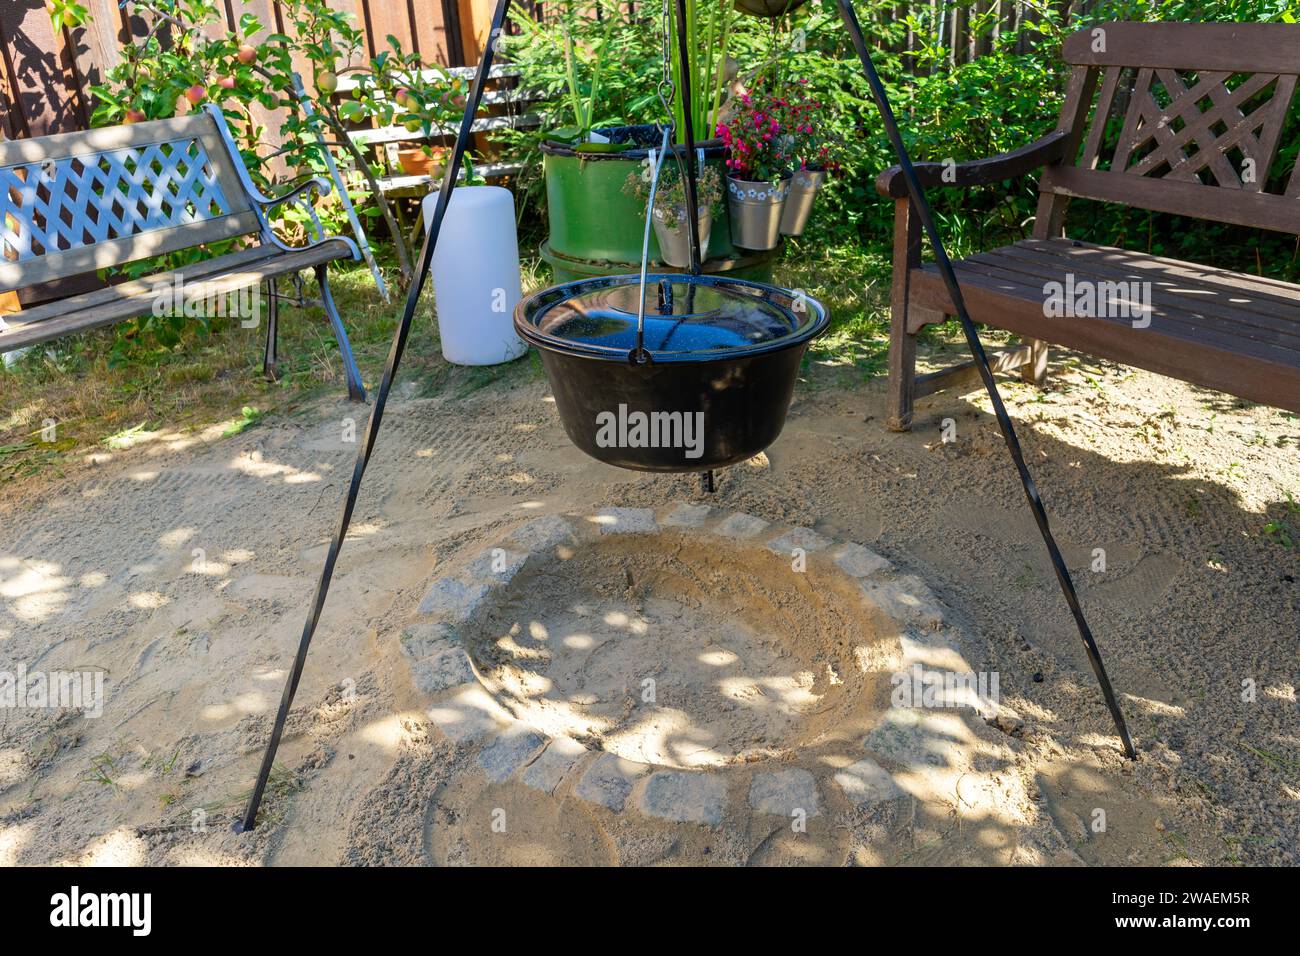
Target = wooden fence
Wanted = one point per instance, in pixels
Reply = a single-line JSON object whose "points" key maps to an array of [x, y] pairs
{"points": [[45, 75]]}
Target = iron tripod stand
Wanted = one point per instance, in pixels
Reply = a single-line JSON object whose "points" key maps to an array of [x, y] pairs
{"points": [[249, 819]]}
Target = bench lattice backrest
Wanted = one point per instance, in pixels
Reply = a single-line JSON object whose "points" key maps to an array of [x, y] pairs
{"points": [[1184, 118], [78, 202]]}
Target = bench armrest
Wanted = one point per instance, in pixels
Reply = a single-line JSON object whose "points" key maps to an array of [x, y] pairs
{"points": [[979, 172], [322, 186], [317, 233], [264, 203]]}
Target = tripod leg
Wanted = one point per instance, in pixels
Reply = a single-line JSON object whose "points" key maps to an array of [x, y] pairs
{"points": [[249, 820], [922, 208]]}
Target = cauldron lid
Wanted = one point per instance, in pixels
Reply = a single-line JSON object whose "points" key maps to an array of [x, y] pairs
{"points": [[687, 318]]}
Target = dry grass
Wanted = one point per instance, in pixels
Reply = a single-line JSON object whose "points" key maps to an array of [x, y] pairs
{"points": [[114, 387]]}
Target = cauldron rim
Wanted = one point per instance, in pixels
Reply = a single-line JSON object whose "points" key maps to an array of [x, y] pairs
{"points": [[815, 325]]}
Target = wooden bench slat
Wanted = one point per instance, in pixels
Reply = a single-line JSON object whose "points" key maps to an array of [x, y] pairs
{"points": [[111, 293], [1236, 47], [224, 274], [1015, 280], [1172, 290], [1234, 206], [1265, 320], [1023, 295], [1273, 380], [1264, 287]]}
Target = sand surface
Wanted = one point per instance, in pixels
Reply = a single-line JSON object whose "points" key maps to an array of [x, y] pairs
{"points": [[182, 567]]}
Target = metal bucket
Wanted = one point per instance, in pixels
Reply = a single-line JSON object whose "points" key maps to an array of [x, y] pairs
{"points": [[675, 241], [720, 363], [799, 203], [755, 209]]}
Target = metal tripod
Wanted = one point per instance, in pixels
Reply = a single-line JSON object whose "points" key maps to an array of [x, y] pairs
{"points": [[249, 819]]}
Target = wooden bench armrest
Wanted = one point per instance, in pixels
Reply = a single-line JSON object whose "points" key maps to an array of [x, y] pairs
{"points": [[979, 172]]}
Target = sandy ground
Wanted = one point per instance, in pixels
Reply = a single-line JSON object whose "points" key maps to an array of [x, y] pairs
{"points": [[181, 568]]}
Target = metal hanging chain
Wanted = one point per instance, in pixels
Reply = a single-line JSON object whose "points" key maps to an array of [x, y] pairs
{"points": [[666, 90], [922, 207], [249, 820]]}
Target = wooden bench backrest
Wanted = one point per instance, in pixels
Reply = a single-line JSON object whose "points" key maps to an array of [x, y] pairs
{"points": [[77, 202], [1182, 118]]}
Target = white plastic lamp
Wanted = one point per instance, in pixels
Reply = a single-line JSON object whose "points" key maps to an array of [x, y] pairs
{"points": [[475, 273]]}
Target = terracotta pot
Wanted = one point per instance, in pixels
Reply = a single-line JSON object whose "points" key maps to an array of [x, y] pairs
{"points": [[416, 162]]}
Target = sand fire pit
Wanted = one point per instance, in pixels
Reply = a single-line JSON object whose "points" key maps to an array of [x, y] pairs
{"points": [[699, 666], [684, 650], [688, 674]]}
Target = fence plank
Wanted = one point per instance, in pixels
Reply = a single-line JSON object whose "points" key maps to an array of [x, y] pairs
{"points": [[270, 120], [390, 17], [437, 34], [41, 96], [39, 90]]}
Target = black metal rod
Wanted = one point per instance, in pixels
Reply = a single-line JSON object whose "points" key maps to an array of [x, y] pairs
{"points": [[249, 820], [688, 131], [922, 207]]}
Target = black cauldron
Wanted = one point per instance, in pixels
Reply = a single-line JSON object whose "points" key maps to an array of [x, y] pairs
{"points": [[710, 385]]}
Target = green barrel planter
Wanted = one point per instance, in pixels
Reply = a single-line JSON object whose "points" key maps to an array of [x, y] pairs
{"points": [[591, 220]]}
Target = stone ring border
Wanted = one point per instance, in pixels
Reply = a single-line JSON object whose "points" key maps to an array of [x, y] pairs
{"points": [[507, 748]]}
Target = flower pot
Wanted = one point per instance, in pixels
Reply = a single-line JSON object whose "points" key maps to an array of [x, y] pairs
{"points": [[799, 204], [755, 207], [597, 229], [675, 240], [416, 162], [588, 214]]}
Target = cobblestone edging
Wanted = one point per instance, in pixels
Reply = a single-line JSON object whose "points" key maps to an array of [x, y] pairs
{"points": [[908, 741]]}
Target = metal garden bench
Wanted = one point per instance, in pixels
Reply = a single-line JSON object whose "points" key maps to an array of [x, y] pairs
{"points": [[76, 203], [1181, 118]]}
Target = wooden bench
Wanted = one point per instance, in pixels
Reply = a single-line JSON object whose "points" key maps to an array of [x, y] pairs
{"points": [[76, 203], [1177, 118]]}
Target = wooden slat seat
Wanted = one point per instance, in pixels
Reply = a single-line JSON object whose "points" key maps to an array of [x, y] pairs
{"points": [[221, 275], [1182, 118], [1222, 330]]}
